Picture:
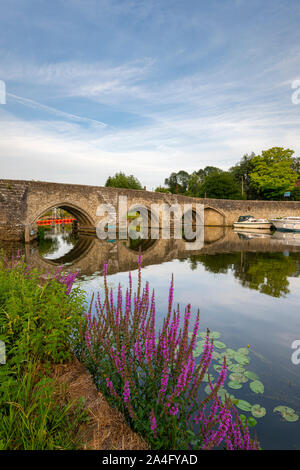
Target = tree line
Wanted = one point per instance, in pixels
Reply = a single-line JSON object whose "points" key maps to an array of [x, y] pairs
{"points": [[266, 176]]}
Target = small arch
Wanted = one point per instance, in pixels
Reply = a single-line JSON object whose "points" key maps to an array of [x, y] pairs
{"points": [[213, 216]]}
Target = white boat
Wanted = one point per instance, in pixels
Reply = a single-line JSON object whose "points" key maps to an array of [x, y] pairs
{"points": [[248, 221], [287, 224]]}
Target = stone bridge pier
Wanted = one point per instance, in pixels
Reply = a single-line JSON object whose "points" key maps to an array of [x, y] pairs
{"points": [[22, 203]]}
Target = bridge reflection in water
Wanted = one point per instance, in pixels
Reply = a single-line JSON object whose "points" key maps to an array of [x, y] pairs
{"points": [[88, 254]]}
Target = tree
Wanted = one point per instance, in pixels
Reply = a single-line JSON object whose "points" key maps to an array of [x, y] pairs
{"points": [[241, 173], [272, 173], [220, 186], [161, 189], [120, 180], [178, 182]]}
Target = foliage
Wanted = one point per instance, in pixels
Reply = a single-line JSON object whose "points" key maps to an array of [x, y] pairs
{"points": [[161, 189], [31, 416], [37, 321], [178, 182], [153, 378], [241, 173], [272, 174], [38, 325], [220, 185], [120, 180]]}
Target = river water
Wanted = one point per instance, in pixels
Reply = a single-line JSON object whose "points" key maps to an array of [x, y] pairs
{"points": [[246, 285]]}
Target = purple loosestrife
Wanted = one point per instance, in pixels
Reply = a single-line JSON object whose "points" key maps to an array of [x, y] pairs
{"points": [[154, 375]]}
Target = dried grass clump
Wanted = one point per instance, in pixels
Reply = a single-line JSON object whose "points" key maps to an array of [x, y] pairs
{"points": [[106, 428]]}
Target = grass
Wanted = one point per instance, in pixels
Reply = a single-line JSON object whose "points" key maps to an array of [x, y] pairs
{"points": [[38, 325]]}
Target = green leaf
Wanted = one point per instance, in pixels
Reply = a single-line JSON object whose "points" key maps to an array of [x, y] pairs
{"points": [[287, 413], [258, 411], [219, 344], [257, 386], [244, 405], [251, 375], [234, 385]]}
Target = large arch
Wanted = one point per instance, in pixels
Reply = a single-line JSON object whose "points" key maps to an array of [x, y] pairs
{"points": [[80, 214]]}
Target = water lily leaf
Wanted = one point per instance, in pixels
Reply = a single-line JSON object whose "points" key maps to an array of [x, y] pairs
{"points": [[216, 355], [207, 389], [234, 385], [212, 334], [241, 359], [258, 411], [244, 405], [244, 351], [219, 344], [251, 375], [236, 368], [257, 386], [230, 353], [287, 413], [238, 377], [233, 399], [217, 367]]}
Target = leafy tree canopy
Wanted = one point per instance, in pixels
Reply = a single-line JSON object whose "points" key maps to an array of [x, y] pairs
{"points": [[178, 182], [272, 173], [120, 180], [220, 185]]}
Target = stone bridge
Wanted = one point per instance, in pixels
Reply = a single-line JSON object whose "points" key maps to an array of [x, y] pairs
{"points": [[22, 203]]}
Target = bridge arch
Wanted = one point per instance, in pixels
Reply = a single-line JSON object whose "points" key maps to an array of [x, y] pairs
{"points": [[213, 216], [80, 214]]}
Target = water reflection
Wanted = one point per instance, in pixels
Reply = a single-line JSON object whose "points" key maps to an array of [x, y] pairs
{"points": [[266, 272]]}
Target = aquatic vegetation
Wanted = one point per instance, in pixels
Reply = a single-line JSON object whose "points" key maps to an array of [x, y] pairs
{"points": [[287, 413], [153, 377]]}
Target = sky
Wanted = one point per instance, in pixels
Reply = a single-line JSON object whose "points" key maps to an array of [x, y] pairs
{"points": [[146, 87]]}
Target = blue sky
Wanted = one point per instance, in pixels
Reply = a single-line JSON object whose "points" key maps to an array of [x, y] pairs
{"points": [[147, 87]]}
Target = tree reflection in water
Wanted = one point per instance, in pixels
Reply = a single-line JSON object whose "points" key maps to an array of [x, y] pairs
{"points": [[266, 272]]}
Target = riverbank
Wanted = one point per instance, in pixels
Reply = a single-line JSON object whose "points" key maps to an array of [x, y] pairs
{"points": [[48, 400]]}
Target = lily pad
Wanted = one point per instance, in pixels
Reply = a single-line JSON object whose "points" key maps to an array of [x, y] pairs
{"points": [[244, 405], [217, 367], [212, 334], [234, 385], [244, 351], [238, 377], [287, 413], [258, 411], [236, 368], [230, 352], [219, 344], [257, 386], [207, 389], [241, 359], [251, 375]]}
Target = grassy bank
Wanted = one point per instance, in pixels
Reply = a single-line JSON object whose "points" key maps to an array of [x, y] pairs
{"points": [[38, 325]]}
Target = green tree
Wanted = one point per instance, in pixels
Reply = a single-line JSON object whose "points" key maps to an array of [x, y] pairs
{"points": [[272, 173], [120, 180], [178, 182], [161, 189], [220, 186], [241, 173]]}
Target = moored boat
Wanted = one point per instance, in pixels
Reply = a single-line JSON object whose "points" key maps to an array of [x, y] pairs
{"points": [[287, 224], [248, 221]]}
